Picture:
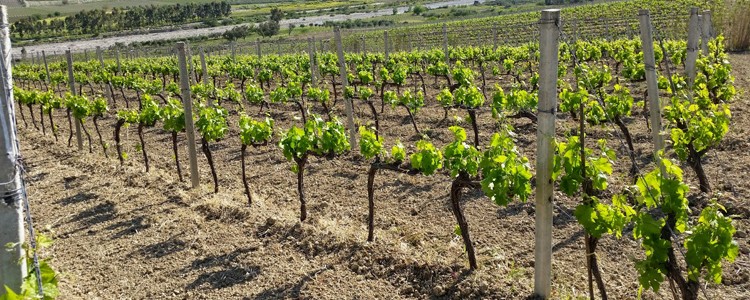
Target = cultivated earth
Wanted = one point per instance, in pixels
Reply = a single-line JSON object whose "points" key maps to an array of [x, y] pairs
{"points": [[121, 233]]}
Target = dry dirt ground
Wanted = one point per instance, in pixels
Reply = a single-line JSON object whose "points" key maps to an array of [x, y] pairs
{"points": [[121, 233]]}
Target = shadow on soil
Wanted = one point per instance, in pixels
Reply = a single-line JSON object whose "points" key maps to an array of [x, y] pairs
{"points": [[231, 271], [77, 198], [412, 278], [162, 249], [98, 214], [290, 290], [128, 227]]}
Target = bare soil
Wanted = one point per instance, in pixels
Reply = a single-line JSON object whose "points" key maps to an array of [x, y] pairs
{"points": [[121, 233]]}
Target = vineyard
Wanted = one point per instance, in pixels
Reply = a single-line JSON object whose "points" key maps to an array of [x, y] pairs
{"points": [[398, 173]]}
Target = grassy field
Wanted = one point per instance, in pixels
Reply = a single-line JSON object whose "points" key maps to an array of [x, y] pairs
{"points": [[240, 8], [69, 9], [404, 20]]}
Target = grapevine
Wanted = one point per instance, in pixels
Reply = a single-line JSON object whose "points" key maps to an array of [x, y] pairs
{"points": [[253, 133], [212, 126]]}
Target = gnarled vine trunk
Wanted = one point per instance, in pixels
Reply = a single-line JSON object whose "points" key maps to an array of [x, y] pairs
{"points": [[629, 141], [52, 124], [176, 154], [23, 117], [694, 160], [473, 116], [33, 119], [101, 140], [411, 117], [455, 196], [118, 126], [91, 148], [244, 176], [371, 202], [143, 146], [70, 127], [41, 118], [301, 162], [207, 152]]}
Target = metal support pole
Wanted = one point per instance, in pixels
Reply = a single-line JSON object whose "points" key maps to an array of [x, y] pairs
{"points": [[12, 267], [548, 50]]}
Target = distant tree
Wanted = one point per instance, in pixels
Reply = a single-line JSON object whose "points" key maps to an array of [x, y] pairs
{"points": [[276, 14], [239, 32], [418, 10], [269, 28], [291, 27]]}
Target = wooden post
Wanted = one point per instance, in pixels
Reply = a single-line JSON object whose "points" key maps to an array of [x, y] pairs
{"points": [[692, 49], [109, 84], [705, 31], [494, 37], [257, 48], [313, 63], [234, 53], [708, 24], [187, 104], [385, 44], [445, 45], [363, 49], [190, 66], [85, 55], [117, 57], [654, 107], [344, 84], [411, 46], [46, 68], [606, 27], [13, 267], [548, 50], [204, 69], [72, 83]]}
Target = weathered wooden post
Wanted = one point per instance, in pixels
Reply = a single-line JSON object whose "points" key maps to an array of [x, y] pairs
{"points": [[12, 265], [72, 84], [548, 50], [654, 107], [344, 84], [692, 49], [187, 104]]}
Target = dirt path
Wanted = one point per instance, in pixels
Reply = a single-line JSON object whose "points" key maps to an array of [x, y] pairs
{"points": [[123, 234]]}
